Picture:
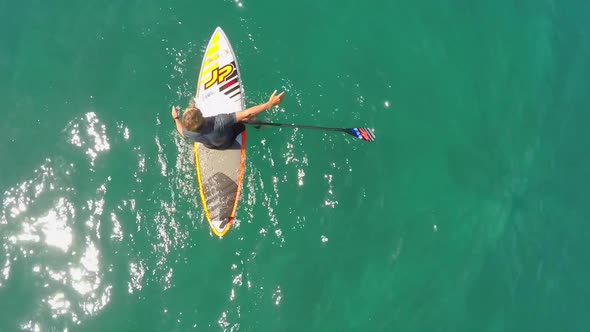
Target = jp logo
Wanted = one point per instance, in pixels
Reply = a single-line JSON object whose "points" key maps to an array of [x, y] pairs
{"points": [[218, 75]]}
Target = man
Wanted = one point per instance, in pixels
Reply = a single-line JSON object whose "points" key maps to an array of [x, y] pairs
{"points": [[219, 131]]}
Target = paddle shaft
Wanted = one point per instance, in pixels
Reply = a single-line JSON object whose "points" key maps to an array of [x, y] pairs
{"points": [[293, 126]]}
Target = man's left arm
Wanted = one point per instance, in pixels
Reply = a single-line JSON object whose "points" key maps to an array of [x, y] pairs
{"points": [[177, 121]]}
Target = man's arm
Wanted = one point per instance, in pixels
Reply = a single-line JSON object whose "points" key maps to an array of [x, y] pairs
{"points": [[177, 120], [250, 113]]}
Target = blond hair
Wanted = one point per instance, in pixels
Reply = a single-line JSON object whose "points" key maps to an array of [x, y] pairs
{"points": [[192, 119]]}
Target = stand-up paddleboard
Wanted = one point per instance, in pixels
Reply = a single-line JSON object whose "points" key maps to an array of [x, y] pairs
{"points": [[220, 172]]}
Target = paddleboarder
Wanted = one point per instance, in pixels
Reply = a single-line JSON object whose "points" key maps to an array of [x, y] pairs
{"points": [[219, 131]]}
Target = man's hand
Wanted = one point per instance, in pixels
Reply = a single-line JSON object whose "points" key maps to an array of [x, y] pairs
{"points": [[274, 100], [174, 112], [250, 113]]}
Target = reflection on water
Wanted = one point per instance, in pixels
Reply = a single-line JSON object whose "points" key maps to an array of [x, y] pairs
{"points": [[136, 271], [277, 296], [92, 136], [43, 226], [60, 223], [80, 227], [51, 227]]}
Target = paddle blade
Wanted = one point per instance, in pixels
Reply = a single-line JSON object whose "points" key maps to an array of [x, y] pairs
{"points": [[366, 134]]}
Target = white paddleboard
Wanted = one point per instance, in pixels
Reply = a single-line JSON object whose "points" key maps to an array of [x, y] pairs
{"points": [[220, 172]]}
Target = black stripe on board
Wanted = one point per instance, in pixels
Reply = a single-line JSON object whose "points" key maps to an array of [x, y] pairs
{"points": [[237, 86], [235, 94]]}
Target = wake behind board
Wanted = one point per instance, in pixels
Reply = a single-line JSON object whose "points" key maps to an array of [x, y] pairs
{"points": [[220, 172]]}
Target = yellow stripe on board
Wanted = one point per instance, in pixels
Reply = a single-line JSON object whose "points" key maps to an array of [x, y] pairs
{"points": [[210, 63], [215, 38], [205, 75], [213, 49], [207, 71], [211, 59], [196, 150]]}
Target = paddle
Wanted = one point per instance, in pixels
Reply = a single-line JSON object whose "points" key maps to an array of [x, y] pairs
{"points": [[365, 134]]}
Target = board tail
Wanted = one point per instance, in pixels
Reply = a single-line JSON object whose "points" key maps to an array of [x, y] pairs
{"points": [[220, 227]]}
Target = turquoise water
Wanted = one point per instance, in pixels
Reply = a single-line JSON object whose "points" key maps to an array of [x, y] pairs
{"points": [[469, 212]]}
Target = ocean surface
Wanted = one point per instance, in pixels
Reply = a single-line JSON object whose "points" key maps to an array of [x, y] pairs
{"points": [[468, 213]]}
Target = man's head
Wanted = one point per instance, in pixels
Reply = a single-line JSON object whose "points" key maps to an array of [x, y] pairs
{"points": [[192, 119]]}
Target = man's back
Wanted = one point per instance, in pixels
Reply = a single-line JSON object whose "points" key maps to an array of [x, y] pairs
{"points": [[217, 132]]}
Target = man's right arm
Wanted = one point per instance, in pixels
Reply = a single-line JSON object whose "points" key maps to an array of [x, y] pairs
{"points": [[250, 113], [176, 119]]}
